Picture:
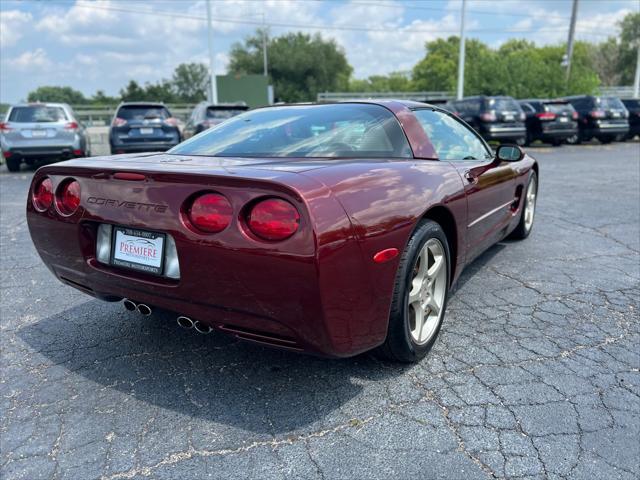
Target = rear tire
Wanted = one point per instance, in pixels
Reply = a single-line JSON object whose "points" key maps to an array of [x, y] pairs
{"points": [[13, 164], [525, 225], [420, 295]]}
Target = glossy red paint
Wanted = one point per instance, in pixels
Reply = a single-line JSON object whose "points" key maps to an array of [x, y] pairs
{"points": [[318, 291]]}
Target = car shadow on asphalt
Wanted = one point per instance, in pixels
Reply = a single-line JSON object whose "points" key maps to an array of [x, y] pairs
{"points": [[214, 377]]}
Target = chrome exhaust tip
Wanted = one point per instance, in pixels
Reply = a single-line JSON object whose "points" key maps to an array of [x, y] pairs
{"points": [[185, 322], [144, 309], [202, 328], [129, 305]]}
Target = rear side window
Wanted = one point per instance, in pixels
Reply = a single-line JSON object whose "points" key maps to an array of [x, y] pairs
{"points": [[37, 114], [632, 104], [451, 139], [340, 130], [218, 113], [503, 105], [143, 112]]}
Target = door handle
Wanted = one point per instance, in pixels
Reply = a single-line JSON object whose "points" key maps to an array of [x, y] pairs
{"points": [[470, 177]]}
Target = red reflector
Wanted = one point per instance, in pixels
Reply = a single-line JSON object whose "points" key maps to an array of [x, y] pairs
{"points": [[78, 153], [43, 195], [136, 177], [385, 255], [6, 154], [68, 199], [273, 219], [210, 213]]}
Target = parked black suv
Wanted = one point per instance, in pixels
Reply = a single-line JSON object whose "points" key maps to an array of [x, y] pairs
{"points": [[206, 115], [633, 107], [604, 118], [143, 127], [495, 118], [551, 121]]}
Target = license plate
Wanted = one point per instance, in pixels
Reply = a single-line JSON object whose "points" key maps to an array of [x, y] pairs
{"points": [[615, 114], [38, 133], [146, 131], [509, 118], [138, 249], [564, 119]]}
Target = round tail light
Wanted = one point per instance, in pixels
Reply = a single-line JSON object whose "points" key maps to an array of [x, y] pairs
{"points": [[43, 194], [68, 199], [210, 213], [273, 219]]}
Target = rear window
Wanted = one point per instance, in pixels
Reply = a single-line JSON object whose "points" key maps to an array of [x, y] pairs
{"points": [[559, 107], [37, 114], [219, 113], [340, 130], [143, 112], [503, 105], [611, 103]]}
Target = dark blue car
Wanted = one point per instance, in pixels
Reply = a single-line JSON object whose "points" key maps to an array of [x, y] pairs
{"points": [[143, 127]]}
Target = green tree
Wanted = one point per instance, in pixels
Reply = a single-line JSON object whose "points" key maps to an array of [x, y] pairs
{"points": [[629, 44], [191, 82], [100, 98], [56, 94], [394, 82], [300, 65], [605, 60]]}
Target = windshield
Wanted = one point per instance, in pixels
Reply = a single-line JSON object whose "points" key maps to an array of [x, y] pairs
{"points": [[336, 130], [218, 113], [611, 103], [143, 112], [37, 114]]}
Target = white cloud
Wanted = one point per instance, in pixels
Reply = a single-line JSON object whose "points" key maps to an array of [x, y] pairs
{"points": [[12, 24], [31, 61]]}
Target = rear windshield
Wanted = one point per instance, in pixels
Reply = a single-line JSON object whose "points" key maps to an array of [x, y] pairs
{"points": [[611, 103], [503, 105], [338, 130], [37, 114], [559, 107], [143, 112], [224, 113]]}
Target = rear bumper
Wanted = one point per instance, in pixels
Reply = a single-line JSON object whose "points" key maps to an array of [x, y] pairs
{"points": [[500, 133], [558, 134], [142, 147], [61, 152], [607, 129]]}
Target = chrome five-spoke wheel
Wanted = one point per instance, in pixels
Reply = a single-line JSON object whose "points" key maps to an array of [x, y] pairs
{"points": [[530, 203], [427, 291]]}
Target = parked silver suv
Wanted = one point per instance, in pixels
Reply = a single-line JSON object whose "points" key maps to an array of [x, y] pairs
{"points": [[41, 131]]}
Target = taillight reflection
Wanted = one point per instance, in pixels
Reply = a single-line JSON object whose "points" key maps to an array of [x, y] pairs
{"points": [[42, 196], [68, 198], [210, 213], [273, 219], [118, 122]]}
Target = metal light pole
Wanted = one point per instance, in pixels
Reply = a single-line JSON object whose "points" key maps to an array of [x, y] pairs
{"points": [[213, 92], [461, 54], [636, 82], [572, 29], [264, 46]]}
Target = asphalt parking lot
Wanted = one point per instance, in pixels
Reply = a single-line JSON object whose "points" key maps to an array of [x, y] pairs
{"points": [[536, 373]]}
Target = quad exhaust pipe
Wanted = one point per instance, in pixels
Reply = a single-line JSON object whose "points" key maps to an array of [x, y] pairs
{"points": [[184, 322], [187, 323], [141, 308]]}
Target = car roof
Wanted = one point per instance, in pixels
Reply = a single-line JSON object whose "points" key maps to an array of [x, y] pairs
{"points": [[142, 104], [543, 100], [41, 104]]}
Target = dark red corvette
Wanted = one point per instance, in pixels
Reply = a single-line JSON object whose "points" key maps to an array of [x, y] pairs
{"points": [[331, 229]]}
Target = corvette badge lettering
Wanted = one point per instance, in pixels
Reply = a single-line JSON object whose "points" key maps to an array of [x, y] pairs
{"points": [[109, 202]]}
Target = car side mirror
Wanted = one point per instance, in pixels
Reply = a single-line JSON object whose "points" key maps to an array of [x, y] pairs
{"points": [[509, 153]]}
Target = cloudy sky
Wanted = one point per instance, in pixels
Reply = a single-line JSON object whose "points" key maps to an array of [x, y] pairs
{"points": [[101, 44]]}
